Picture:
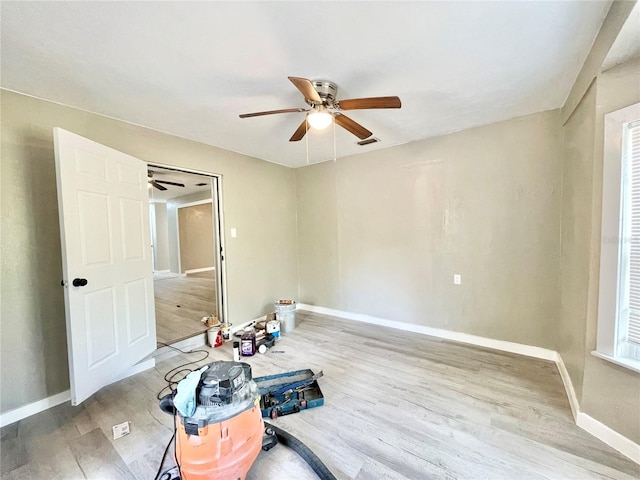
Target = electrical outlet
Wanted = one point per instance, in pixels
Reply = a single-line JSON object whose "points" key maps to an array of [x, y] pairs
{"points": [[234, 233], [120, 430], [457, 279]]}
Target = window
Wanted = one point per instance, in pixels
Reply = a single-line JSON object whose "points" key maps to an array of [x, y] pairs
{"points": [[619, 296]]}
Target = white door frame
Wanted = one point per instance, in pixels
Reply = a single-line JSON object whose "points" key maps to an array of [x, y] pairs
{"points": [[218, 234]]}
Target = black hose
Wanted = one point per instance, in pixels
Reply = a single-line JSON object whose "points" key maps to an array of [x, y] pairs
{"points": [[301, 449]]}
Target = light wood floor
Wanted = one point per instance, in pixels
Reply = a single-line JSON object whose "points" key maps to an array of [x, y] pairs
{"points": [[397, 406], [181, 302]]}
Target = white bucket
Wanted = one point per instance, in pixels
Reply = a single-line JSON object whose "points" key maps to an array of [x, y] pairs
{"points": [[212, 337], [286, 315]]}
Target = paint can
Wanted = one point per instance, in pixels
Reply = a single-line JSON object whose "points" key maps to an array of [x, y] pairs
{"points": [[286, 314], [226, 331], [214, 337]]}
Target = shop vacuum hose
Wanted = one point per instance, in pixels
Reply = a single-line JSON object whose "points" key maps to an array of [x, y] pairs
{"points": [[301, 449]]}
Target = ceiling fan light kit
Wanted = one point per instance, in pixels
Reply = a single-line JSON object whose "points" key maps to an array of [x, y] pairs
{"points": [[321, 96], [319, 119]]}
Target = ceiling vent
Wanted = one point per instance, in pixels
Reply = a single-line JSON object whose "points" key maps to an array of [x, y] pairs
{"points": [[368, 141]]}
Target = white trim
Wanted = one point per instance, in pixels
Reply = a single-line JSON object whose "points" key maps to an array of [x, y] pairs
{"points": [[519, 348], [221, 252], [612, 438], [612, 252], [568, 386], [599, 430], [198, 270], [625, 362], [12, 416]]}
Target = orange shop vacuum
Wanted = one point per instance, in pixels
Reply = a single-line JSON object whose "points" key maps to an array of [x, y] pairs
{"points": [[224, 436]]}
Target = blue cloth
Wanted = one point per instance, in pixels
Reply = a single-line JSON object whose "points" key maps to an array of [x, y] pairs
{"points": [[185, 399]]}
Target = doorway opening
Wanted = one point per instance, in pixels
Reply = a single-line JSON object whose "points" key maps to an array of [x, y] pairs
{"points": [[186, 237]]}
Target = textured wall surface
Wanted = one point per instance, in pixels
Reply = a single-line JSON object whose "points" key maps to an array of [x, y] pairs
{"points": [[259, 200], [610, 393], [575, 240], [384, 232]]}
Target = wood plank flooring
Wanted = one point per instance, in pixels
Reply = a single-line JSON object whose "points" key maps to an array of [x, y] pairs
{"points": [[181, 302], [397, 406]]}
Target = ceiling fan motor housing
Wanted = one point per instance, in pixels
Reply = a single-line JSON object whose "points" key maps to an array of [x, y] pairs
{"points": [[327, 90]]}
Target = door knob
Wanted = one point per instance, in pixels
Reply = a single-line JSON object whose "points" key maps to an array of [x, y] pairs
{"points": [[79, 282]]}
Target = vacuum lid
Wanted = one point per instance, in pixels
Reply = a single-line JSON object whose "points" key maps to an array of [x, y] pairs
{"points": [[221, 380]]}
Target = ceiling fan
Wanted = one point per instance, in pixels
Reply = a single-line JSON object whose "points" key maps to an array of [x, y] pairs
{"points": [[157, 183], [320, 95]]}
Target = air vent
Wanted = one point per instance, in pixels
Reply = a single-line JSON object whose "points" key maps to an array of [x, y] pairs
{"points": [[201, 184], [369, 141]]}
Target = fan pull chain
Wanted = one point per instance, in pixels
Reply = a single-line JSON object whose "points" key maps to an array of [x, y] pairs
{"points": [[306, 136], [334, 140]]}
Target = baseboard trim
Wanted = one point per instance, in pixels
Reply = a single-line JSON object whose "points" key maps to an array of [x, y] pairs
{"points": [[512, 347], [12, 416], [568, 386], [198, 270], [626, 447], [615, 440]]}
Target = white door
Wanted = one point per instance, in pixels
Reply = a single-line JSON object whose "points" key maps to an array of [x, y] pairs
{"points": [[106, 257]]}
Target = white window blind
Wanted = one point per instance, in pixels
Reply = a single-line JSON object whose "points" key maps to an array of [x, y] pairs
{"points": [[629, 327]]}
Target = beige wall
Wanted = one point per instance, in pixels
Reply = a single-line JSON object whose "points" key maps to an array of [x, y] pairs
{"points": [[259, 200], [384, 232], [195, 229], [172, 221], [161, 245], [575, 240], [609, 393]]}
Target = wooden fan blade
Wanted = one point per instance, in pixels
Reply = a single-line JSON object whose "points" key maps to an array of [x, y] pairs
{"points": [[271, 112], [157, 185], [306, 88], [353, 127], [166, 182], [300, 132], [373, 102]]}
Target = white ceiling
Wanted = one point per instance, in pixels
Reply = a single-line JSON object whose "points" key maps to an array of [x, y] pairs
{"points": [[190, 181], [191, 68]]}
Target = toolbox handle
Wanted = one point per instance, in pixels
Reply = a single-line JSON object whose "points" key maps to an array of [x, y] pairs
{"points": [[294, 385]]}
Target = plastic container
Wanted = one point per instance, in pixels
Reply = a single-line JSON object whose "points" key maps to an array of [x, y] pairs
{"points": [[248, 344], [214, 337], [273, 328], [225, 328], [286, 315]]}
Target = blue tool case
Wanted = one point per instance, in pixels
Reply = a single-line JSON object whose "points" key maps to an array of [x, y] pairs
{"points": [[289, 392]]}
